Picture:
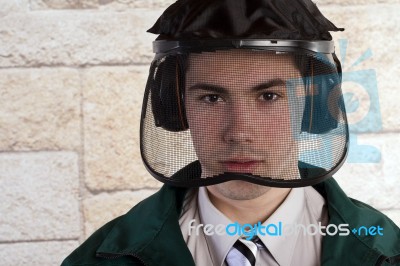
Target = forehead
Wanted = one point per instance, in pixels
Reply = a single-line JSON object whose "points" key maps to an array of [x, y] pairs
{"points": [[241, 66]]}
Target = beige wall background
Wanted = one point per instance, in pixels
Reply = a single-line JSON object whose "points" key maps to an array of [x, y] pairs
{"points": [[72, 74]]}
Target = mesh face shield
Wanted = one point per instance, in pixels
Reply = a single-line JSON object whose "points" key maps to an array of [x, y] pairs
{"points": [[269, 112]]}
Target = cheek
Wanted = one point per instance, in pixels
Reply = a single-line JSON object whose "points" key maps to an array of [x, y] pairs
{"points": [[204, 129], [276, 119], [202, 118], [204, 126], [275, 131]]}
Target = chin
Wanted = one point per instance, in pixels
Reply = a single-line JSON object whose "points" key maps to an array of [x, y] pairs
{"points": [[240, 190]]}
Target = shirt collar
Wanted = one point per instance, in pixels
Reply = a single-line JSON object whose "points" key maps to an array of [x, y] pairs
{"points": [[289, 212], [219, 245]]}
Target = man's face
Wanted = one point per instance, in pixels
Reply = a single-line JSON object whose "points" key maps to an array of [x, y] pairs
{"points": [[241, 114]]}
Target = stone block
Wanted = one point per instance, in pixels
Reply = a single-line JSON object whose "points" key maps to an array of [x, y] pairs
{"points": [[39, 196], [63, 4], [39, 109], [394, 215], [66, 38], [127, 4], [12, 6], [374, 183], [353, 2], [104, 207], [119, 5], [36, 253], [112, 106]]}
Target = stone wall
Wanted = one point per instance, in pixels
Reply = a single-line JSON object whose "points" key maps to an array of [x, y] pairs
{"points": [[72, 75]]}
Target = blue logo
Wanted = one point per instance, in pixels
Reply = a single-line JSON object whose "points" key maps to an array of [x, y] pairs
{"points": [[360, 92], [368, 231]]}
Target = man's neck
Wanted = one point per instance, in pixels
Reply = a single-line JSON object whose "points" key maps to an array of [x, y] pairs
{"points": [[250, 211]]}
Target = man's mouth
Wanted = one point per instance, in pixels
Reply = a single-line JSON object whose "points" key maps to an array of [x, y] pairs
{"points": [[241, 166]]}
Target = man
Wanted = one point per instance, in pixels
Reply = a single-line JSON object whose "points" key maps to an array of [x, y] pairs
{"points": [[243, 104]]}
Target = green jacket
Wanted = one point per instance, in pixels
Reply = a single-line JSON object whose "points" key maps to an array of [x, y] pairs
{"points": [[149, 234]]}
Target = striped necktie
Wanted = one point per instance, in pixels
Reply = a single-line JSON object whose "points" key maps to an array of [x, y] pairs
{"points": [[243, 252]]}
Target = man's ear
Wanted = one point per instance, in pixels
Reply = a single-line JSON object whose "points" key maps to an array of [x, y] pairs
{"points": [[323, 99], [167, 95]]}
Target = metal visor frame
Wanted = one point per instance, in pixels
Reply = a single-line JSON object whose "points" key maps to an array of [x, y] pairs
{"points": [[163, 47]]}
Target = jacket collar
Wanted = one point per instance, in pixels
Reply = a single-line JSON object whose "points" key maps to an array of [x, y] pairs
{"points": [[356, 249], [150, 231]]}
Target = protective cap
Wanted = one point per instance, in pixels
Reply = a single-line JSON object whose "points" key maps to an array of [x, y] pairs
{"points": [[258, 19]]}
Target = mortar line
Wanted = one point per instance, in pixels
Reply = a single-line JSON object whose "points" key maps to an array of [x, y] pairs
{"points": [[2, 242], [82, 192]]}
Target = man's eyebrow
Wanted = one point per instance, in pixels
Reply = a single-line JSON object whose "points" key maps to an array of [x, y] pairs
{"points": [[269, 84], [208, 87]]}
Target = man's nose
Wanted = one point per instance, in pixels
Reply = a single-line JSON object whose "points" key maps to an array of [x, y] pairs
{"points": [[239, 123]]}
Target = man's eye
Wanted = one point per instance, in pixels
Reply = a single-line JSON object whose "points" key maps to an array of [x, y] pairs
{"points": [[212, 98], [269, 96]]}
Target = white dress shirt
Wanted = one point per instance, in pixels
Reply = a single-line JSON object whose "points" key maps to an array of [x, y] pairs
{"points": [[302, 206]]}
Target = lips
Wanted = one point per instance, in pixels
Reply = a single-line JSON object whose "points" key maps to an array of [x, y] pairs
{"points": [[241, 166]]}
